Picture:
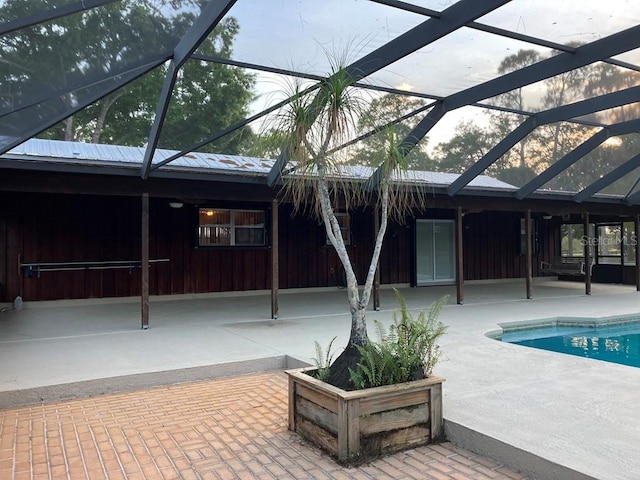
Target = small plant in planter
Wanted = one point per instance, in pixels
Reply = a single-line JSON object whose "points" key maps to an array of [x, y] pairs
{"points": [[396, 403], [408, 351], [323, 361]]}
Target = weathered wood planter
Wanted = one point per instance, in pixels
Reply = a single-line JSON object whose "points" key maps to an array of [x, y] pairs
{"points": [[363, 424]]}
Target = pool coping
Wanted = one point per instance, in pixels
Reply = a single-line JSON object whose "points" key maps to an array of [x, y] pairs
{"points": [[563, 321]]}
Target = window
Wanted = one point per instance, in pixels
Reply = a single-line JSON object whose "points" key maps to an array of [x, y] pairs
{"points": [[572, 240], [616, 243], [609, 242], [220, 227], [345, 228], [630, 241]]}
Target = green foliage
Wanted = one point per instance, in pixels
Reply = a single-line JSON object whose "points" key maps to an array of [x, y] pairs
{"points": [[375, 122], [545, 145], [80, 49], [323, 360], [408, 351]]}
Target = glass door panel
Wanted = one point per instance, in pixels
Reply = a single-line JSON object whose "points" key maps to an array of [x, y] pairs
{"points": [[435, 252], [424, 252], [443, 240]]}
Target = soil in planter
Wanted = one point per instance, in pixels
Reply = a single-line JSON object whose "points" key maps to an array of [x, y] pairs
{"points": [[339, 371]]}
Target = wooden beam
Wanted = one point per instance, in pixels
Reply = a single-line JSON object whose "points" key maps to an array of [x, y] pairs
{"points": [[587, 259], [529, 253], [274, 259], [636, 230], [459, 258], [376, 279], [4, 247], [145, 262]]}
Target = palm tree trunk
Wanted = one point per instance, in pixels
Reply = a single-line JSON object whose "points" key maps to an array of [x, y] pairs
{"points": [[350, 357]]}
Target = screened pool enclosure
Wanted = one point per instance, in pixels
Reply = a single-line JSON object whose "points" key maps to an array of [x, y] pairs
{"points": [[543, 95]]}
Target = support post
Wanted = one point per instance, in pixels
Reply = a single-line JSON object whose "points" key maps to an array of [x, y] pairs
{"points": [[529, 262], [587, 252], [459, 258], [376, 278], [636, 238], [274, 259], [144, 262]]}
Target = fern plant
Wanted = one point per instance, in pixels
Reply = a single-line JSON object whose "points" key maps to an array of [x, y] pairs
{"points": [[416, 339], [408, 351], [323, 360], [377, 366]]}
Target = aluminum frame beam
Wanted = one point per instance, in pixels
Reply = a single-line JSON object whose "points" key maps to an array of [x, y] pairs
{"points": [[307, 76], [500, 31], [82, 81], [584, 55], [593, 142], [210, 16], [53, 14], [319, 78], [584, 107], [632, 199], [451, 19], [615, 174], [122, 79], [226, 131]]}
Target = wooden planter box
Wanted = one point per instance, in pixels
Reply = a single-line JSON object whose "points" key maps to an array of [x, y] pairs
{"points": [[362, 424]]}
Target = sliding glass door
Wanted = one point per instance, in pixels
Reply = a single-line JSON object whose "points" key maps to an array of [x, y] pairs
{"points": [[435, 252]]}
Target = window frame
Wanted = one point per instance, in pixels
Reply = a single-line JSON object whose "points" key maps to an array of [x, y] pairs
{"points": [[233, 227]]}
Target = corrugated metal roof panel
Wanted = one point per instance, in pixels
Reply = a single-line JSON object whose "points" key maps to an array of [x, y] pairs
{"points": [[91, 154]]}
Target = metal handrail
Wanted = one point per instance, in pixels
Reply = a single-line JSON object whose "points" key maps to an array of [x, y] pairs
{"points": [[29, 269]]}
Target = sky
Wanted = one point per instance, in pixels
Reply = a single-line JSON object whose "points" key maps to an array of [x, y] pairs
{"points": [[297, 34]]}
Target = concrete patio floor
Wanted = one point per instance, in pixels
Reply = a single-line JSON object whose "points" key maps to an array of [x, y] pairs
{"points": [[550, 415]]}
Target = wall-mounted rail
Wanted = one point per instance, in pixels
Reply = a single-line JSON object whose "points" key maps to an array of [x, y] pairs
{"points": [[29, 270]]}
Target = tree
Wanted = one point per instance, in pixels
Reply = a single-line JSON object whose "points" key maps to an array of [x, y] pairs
{"points": [[383, 111], [208, 96], [469, 144], [472, 140], [547, 143], [266, 144], [313, 124], [50, 58], [514, 99]]}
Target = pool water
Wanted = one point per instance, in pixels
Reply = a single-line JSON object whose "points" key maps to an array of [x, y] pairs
{"points": [[617, 343]]}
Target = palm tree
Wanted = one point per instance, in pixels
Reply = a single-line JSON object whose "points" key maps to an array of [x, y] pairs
{"points": [[313, 124]]}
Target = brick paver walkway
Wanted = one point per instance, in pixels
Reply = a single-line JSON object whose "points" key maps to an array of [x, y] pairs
{"points": [[229, 428]]}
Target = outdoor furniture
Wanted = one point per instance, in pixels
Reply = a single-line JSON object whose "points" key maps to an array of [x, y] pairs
{"points": [[564, 266]]}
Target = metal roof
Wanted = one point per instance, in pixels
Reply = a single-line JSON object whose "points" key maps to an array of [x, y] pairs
{"points": [[49, 152]]}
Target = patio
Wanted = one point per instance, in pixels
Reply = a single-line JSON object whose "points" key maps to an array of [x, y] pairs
{"points": [[553, 415]]}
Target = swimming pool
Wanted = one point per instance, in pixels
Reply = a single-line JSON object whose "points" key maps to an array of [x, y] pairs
{"points": [[611, 343]]}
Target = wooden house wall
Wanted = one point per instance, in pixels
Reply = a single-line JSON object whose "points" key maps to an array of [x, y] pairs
{"points": [[43, 227], [492, 245], [79, 228], [306, 260]]}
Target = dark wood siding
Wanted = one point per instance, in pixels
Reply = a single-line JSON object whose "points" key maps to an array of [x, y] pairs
{"points": [[78, 228], [3, 251], [306, 260], [43, 227], [492, 245]]}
